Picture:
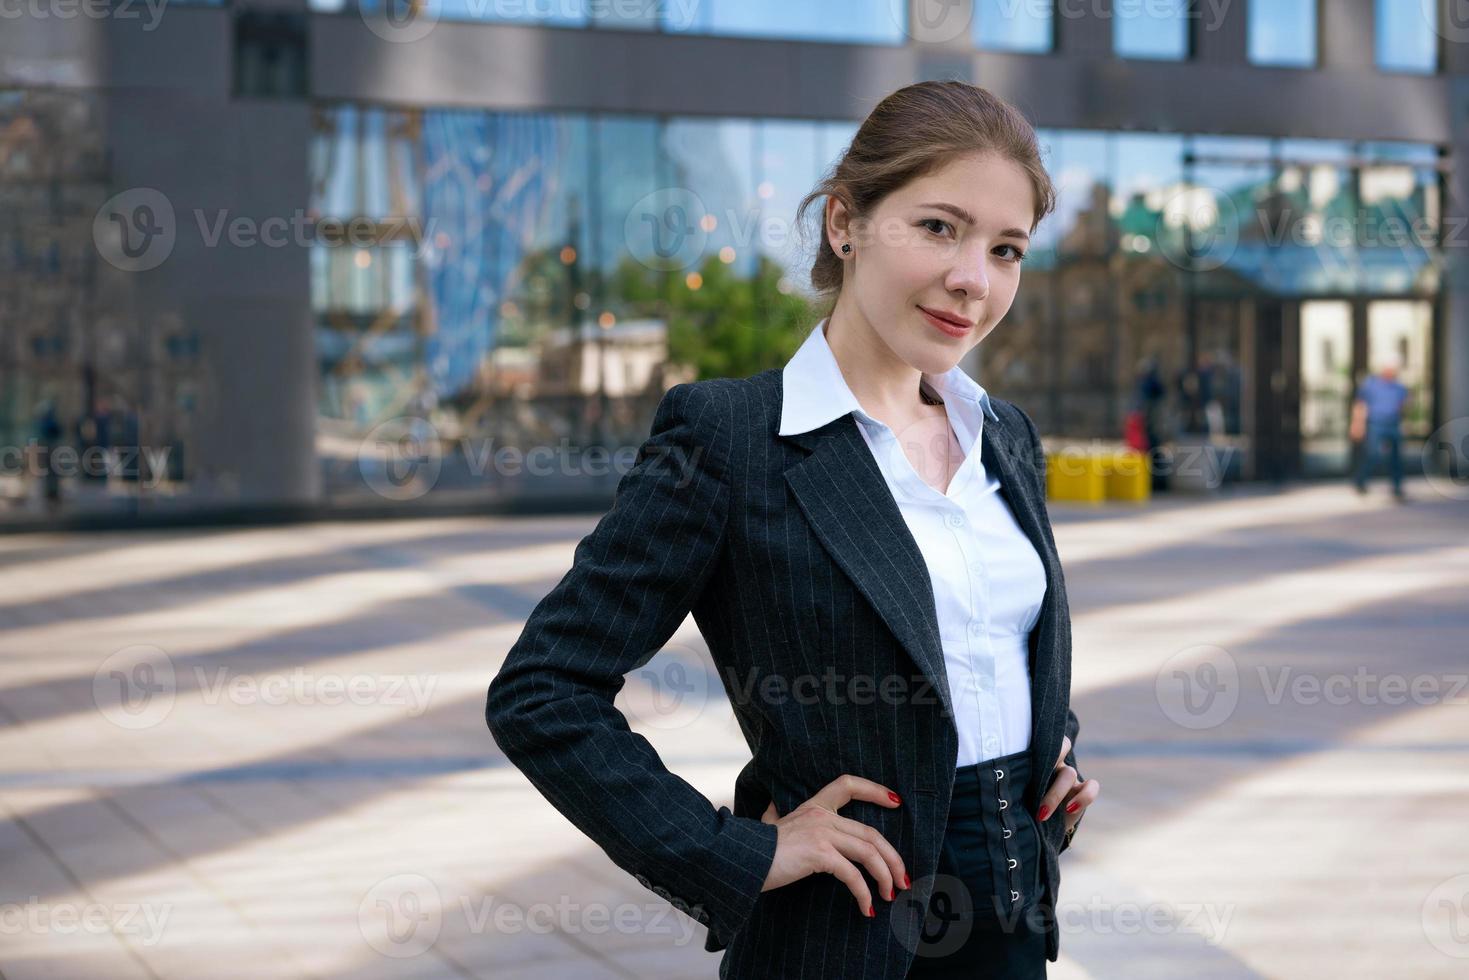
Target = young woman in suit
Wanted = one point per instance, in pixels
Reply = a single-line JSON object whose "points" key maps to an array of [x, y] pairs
{"points": [[866, 525]]}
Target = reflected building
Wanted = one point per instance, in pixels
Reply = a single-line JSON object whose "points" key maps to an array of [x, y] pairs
{"points": [[525, 226]]}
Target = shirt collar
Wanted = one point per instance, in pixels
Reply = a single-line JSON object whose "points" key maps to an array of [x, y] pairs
{"points": [[813, 391]]}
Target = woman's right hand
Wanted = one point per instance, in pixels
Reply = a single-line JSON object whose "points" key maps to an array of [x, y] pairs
{"points": [[813, 837]]}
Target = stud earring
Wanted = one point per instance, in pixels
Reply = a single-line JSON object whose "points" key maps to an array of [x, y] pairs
{"points": [[846, 249]]}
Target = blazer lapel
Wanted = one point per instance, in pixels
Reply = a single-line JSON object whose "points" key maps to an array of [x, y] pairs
{"points": [[847, 502], [1019, 491]]}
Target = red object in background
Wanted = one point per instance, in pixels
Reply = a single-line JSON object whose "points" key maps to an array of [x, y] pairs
{"points": [[1135, 432]]}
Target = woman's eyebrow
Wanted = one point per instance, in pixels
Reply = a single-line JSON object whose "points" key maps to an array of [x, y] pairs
{"points": [[964, 215]]}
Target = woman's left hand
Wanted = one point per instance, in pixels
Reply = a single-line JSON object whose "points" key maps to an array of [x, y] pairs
{"points": [[1067, 793]]}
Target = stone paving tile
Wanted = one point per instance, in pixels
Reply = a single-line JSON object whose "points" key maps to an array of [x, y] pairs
{"points": [[1295, 837]]}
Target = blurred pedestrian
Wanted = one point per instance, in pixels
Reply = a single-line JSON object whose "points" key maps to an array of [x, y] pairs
{"points": [[1377, 414]]}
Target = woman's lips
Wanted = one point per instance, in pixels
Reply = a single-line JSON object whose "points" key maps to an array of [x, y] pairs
{"points": [[948, 327]]}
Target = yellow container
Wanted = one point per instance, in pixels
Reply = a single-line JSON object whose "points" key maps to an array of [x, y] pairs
{"points": [[1128, 477], [1075, 478], [1093, 476]]}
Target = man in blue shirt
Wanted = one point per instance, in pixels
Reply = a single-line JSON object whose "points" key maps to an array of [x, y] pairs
{"points": [[1377, 414]]}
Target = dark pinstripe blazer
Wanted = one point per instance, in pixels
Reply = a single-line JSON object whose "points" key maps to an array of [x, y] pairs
{"points": [[794, 559]]}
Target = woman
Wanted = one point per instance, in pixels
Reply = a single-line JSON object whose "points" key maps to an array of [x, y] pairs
{"points": [[867, 526]]}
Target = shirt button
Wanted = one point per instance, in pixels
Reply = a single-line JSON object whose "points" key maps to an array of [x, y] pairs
{"points": [[954, 520], [977, 629], [990, 743], [984, 684]]}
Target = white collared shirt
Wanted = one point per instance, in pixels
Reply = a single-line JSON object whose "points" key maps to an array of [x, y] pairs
{"points": [[988, 581]]}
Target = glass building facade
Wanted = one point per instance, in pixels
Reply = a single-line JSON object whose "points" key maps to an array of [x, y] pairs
{"points": [[487, 282], [562, 286]]}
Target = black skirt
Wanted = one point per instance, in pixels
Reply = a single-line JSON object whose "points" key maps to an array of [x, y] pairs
{"points": [[981, 919]]}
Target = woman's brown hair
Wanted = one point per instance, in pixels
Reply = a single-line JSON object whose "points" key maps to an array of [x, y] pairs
{"points": [[912, 132]]}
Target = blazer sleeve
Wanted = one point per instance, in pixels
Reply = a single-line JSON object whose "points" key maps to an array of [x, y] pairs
{"points": [[633, 580], [1038, 457]]}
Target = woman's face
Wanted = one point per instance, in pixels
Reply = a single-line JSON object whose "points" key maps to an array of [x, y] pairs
{"points": [[949, 242]]}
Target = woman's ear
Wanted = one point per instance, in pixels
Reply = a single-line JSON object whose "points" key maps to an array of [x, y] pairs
{"points": [[838, 221]]}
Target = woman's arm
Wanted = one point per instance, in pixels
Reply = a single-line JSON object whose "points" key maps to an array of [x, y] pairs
{"points": [[633, 580]]}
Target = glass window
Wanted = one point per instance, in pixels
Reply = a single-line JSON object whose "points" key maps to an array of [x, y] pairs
{"points": [[1014, 25], [1407, 35], [853, 21], [1283, 33], [1151, 29]]}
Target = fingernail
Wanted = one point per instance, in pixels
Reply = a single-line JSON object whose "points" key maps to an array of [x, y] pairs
{"points": [[906, 882], [1044, 810], [871, 913], [892, 894], [894, 797], [1073, 808]]}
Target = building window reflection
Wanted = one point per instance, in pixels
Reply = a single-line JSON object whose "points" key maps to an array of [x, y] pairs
{"points": [[1158, 29], [1406, 35], [1015, 25], [1282, 33]]}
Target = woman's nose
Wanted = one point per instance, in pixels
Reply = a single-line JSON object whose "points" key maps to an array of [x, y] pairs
{"points": [[971, 278]]}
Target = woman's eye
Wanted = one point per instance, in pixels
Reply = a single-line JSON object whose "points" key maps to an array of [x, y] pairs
{"points": [[1019, 255], [934, 221]]}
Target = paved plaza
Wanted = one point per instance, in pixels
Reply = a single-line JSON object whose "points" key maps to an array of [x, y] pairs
{"points": [[261, 752]]}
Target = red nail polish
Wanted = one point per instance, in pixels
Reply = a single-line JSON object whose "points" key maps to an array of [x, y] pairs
{"points": [[1073, 808], [1044, 810], [892, 894], [894, 797], [906, 882], [871, 913]]}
